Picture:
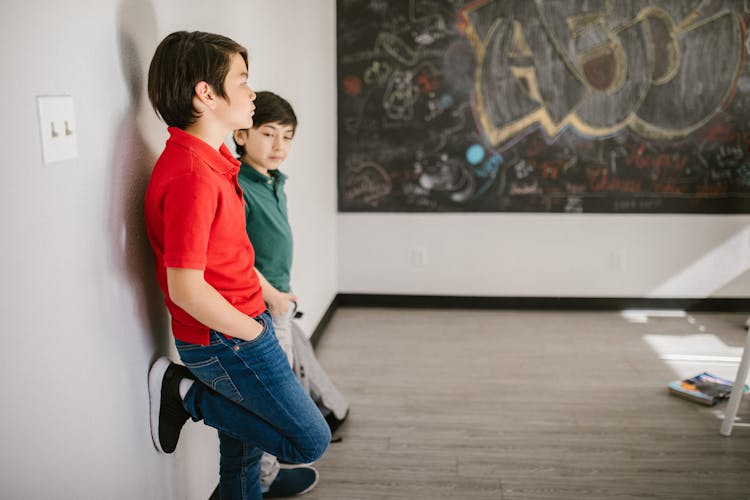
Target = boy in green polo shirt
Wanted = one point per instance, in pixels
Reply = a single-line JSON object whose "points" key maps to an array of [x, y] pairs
{"points": [[262, 149]]}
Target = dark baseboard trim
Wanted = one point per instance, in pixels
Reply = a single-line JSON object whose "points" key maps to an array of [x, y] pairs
{"points": [[323, 323], [542, 303]]}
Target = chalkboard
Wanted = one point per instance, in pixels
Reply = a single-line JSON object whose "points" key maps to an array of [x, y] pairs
{"points": [[623, 106]]}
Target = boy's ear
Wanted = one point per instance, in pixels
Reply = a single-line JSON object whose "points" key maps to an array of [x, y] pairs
{"points": [[240, 137], [204, 94]]}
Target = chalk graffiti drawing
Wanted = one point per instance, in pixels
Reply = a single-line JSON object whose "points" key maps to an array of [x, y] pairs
{"points": [[600, 106]]}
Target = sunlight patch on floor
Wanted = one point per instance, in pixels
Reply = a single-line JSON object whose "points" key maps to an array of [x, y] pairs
{"points": [[642, 315], [689, 355]]}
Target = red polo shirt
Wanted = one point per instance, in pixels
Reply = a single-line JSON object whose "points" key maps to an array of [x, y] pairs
{"points": [[195, 219]]}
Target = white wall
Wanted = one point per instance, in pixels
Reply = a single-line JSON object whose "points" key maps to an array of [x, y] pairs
{"points": [[545, 255], [83, 317]]}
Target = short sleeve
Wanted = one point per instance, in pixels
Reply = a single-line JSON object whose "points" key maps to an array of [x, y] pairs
{"points": [[189, 209]]}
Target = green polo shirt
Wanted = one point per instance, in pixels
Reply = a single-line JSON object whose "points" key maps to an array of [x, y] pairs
{"points": [[267, 224]]}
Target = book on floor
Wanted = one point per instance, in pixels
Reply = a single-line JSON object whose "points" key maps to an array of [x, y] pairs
{"points": [[704, 388]]}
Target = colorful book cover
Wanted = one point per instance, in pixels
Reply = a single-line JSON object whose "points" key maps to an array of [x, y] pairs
{"points": [[704, 388]]}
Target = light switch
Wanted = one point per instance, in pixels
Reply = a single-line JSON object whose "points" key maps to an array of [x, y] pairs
{"points": [[57, 123]]}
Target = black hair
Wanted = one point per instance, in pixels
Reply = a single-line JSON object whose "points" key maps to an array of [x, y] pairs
{"points": [[182, 60]]}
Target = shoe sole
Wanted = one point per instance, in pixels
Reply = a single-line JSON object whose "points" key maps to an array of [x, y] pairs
{"points": [[295, 466], [155, 378]]}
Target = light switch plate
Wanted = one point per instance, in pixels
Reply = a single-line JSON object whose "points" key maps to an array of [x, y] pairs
{"points": [[57, 123]]}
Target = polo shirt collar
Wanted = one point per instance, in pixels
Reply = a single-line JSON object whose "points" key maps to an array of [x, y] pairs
{"points": [[220, 160], [256, 176]]}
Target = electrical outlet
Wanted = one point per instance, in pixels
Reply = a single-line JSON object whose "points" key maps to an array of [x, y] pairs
{"points": [[617, 261], [57, 123], [419, 256]]}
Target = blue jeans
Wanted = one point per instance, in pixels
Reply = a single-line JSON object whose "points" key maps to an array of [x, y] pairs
{"points": [[251, 396]]}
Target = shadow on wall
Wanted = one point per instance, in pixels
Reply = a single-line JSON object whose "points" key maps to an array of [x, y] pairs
{"points": [[712, 271], [133, 159]]}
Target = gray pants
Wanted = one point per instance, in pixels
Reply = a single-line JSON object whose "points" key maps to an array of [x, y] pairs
{"points": [[282, 324]]}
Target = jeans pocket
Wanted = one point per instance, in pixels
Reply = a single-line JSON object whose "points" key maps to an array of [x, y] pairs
{"points": [[212, 373], [237, 343]]}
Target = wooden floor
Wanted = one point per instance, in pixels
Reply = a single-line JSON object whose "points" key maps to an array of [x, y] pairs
{"points": [[529, 405]]}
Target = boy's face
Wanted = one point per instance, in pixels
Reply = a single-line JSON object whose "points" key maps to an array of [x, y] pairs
{"points": [[267, 146], [238, 108]]}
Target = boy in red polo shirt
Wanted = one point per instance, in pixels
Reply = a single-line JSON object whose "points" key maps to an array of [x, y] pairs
{"points": [[236, 378]]}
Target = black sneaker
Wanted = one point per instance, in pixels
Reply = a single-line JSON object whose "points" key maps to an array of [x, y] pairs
{"points": [[291, 482], [334, 423], [167, 413]]}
